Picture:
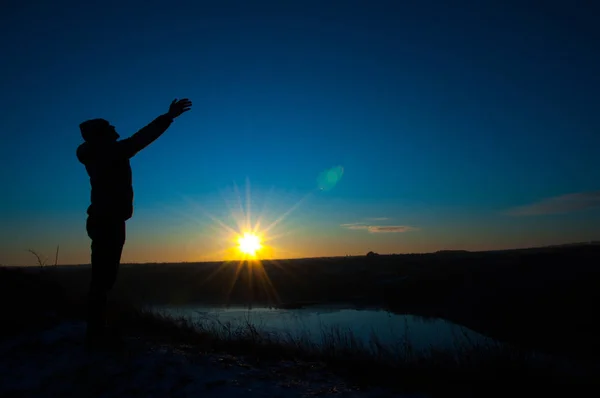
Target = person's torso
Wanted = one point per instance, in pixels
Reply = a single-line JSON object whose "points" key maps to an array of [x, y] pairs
{"points": [[111, 182]]}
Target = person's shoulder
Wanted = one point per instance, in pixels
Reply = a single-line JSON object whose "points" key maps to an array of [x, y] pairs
{"points": [[90, 153], [83, 152], [87, 152]]}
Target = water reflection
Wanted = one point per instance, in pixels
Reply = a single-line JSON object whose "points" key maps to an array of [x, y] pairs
{"points": [[316, 322]]}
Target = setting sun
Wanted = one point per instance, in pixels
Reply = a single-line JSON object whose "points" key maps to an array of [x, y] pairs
{"points": [[249, 244]]}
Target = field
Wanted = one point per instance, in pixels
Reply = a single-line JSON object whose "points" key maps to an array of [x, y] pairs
{"points": [[537, 300], [542, 298]]}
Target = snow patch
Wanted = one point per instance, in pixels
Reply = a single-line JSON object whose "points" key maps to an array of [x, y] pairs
{"points": [[54, 363]]}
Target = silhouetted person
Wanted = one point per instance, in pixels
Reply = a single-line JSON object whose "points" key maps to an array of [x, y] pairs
{"points": [[107, 163]]}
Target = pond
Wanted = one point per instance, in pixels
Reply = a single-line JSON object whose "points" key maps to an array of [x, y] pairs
{"points": [[315, 322]]}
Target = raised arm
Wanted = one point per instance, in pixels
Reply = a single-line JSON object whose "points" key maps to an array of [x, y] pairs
{"points": [[144, 137]]}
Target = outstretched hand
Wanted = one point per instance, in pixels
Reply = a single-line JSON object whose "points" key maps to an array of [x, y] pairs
{"points": [[179, 106]]}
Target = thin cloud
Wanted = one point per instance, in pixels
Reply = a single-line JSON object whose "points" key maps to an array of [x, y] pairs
{"points": [[378, 219], [384, 229], [378, 229], [559, 204]]}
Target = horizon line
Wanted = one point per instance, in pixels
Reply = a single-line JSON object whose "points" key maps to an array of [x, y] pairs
{"points": [[581, 243]]}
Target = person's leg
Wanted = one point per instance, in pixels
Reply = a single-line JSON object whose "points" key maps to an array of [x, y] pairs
{"points": [[107, 244], [112, 270], [116, 250]]}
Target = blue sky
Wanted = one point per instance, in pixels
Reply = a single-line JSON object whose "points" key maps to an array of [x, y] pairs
{"points": [[470, 125]]}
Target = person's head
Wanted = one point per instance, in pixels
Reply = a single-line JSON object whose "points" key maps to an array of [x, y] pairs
{"points": [[98, 130]]}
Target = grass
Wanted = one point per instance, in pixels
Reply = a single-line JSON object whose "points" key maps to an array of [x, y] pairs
{"points": [[471, 367]]}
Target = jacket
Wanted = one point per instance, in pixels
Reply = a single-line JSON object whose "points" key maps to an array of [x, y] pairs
{"points": [[107, 164]]}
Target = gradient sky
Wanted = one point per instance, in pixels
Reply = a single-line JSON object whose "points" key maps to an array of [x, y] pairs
{"points": [[459, 125]]}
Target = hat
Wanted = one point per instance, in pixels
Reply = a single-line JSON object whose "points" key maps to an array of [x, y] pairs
{"points": [[90, 129]]}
